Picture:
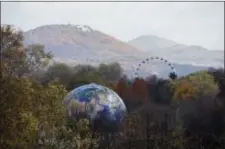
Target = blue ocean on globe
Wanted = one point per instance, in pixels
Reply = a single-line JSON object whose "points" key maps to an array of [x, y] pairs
{"points": [[96, 102]]}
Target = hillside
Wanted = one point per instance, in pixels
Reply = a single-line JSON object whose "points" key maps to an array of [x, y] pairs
{"points": [[148, 43], [68, 41], [179, 53], [76, 44]]}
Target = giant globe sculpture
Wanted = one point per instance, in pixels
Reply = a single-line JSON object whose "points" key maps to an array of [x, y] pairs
{"points": [[97, 103]]}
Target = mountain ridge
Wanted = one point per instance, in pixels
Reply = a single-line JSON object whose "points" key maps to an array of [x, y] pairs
{"points": [[179, 53], [175, 43], [76, 44]]}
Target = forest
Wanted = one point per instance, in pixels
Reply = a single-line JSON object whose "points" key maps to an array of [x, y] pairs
{"points": [[177, 113]]}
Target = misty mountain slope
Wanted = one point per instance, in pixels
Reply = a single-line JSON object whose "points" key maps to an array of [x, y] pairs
{"points": [[163, 70], [78, 44], [68, 40], [149, 42], [179, 53]]}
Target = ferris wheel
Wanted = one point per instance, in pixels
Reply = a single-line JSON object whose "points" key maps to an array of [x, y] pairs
{"points": [[153, 60]]}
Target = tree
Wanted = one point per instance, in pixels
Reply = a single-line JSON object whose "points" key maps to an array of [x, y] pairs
{"points": [[81, 78], [140, 89], [84, 69], [12, 50], [59, 71], [121, 87], [218, 74], [37, 58], [111, 72], [163, 92], [221, 94], [25, 107], [18, 60], [202, 119], [195, 86], [192, 91], [184, 90]]}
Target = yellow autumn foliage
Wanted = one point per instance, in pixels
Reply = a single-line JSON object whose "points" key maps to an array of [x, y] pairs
{"points": [[195, 86]]}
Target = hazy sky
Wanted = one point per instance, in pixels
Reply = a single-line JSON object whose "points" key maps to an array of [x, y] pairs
{"points": [[192, 23]]}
